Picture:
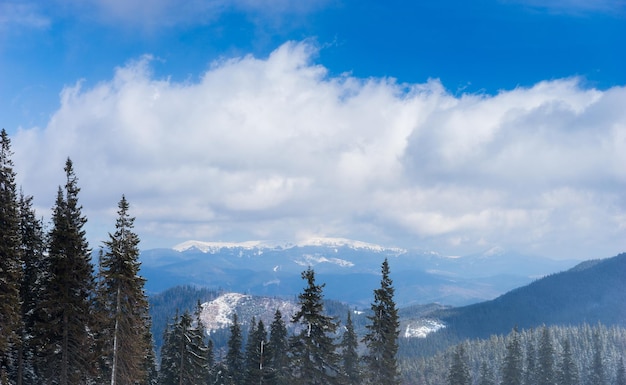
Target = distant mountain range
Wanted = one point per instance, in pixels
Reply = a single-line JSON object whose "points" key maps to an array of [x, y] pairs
{"points": [[350, 269], [590, 292]]}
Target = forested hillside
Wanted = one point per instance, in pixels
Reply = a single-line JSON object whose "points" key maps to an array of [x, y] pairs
{"points": [[564, 355], [592, 292]]}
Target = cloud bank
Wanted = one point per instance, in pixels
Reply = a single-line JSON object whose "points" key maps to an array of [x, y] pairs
{"points": [[276, 148]]}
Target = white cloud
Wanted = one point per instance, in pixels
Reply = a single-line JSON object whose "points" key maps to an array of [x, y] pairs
{"points": [[157, 13], [21, 14], [615, 7], [274, 148]]}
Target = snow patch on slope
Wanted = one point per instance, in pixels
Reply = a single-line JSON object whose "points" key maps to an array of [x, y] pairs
{"points": [[217, 314], [422, 328], [309, 260]]}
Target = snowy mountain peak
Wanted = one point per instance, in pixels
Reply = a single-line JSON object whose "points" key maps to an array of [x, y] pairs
{"points": [[214, 247]]}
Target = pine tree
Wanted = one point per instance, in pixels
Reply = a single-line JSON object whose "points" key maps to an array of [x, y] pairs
{"points": [[313, 350], [66, 315], [255, 350], [486, 375], [184, 359], [545, 367], [349, 356], [382, 337], [234, 355], [10, 261], [125, 304], [567, 373], [512, 366], [277, 362], [32, 249]]}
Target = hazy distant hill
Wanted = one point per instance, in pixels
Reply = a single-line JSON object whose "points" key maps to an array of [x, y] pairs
{"points": [[349, 268], [591, 292]]}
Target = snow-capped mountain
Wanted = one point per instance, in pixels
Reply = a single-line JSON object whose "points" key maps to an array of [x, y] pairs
{"points": [[350, 269]]}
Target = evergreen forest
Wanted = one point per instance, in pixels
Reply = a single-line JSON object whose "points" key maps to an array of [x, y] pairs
{"points": [[74, 315]]}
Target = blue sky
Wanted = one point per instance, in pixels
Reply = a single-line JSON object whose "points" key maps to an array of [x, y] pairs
{"points": [[451, 125]]}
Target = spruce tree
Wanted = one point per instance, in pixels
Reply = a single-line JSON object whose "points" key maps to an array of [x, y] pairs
{"points": [[596, 372], [567, 373], [184, 358], [125, 304], [382, 336], [459, 373], [32, 249], [512, 366], [234, 355], [530, 369], [545, 362], [349, 344], [314, 357], [64, 327], [277, 359], [255, 350], [10, 261]]}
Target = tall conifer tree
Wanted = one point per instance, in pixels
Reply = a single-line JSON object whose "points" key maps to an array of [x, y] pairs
{"points": [[314, 357], [567, 373], [10, 261], [67, 320], [545, 363], [125, 304], [234, 355], [513, 360], [349, 356], [255, 354], [382, 336], [277, 359], [597, 372], [459, 373], [35, 269], [184, 358]]}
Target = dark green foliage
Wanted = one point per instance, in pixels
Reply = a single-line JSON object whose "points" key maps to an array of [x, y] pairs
{"points": [[184, 355], [349, 356], [382, 336], [234, 355], [313, 351], [10, 258], [126, 322], [512, 366], [255, 354], [35, 268], [459, 370], [277, 360], [163, 305], [567, 373], [545, 359], [65, 343]]}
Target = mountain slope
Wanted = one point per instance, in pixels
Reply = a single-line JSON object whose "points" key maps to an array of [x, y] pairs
{"points": [[592, 292]]}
